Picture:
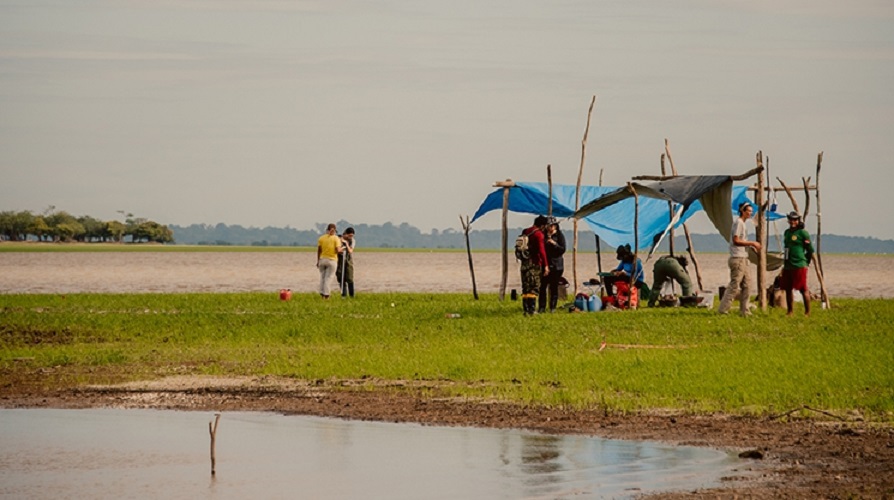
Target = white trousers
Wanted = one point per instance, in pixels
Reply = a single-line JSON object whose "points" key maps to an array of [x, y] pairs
{"points": [[327, 273]]}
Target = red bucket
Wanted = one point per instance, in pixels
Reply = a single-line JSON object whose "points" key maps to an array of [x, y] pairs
{"points": [[285, 294]]}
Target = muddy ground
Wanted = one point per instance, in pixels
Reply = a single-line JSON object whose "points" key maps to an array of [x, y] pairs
{"points": [[799, 454]]}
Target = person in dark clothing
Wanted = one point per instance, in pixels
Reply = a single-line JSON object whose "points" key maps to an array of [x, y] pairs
{"points": [[670, 267], [535, 266], [555, 251], [344, 273]]}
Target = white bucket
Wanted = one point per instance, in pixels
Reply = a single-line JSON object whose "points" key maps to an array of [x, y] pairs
{"points": [[708, 301]]}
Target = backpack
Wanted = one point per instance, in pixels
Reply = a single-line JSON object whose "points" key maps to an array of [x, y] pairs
{"points": [[521, 247]]}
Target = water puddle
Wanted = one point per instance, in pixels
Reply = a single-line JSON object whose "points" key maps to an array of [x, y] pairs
{"points": [[103, 453]]}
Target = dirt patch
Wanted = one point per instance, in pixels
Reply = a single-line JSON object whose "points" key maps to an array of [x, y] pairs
{"points": [[791, 456]]}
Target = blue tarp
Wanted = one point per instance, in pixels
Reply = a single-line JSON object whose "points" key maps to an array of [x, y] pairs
{"points": [[613, 224]]}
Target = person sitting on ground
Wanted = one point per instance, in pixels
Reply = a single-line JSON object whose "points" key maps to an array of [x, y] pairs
{"points": [[670, 267], [624, 270]]}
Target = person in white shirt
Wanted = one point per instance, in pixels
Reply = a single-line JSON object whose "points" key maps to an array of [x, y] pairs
{"points": [[740, 283]]}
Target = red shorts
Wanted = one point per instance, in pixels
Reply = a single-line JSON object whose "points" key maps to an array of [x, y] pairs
{"points": [[794, 279]]}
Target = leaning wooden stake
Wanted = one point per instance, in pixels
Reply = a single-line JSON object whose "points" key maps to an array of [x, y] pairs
{"points": [[212, 429], [580, 173], [698, 273], [549, 181], [465, 224], [635, 242], [819, 227]]}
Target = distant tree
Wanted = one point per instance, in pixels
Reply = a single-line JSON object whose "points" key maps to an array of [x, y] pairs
{"points": [[114, 231], [64, 227], [39, 228], [15, 225], [93, 228], [152, 231]]}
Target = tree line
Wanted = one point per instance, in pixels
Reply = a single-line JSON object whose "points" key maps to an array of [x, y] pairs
{"points": [[404, 235], [60, 226]]}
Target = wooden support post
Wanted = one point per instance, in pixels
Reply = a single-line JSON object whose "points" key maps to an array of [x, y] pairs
{"points": [[549, 182], [761, 230], [670, 204], [791, 196], [698, 273], [466, 226], [635, 241], [819, 214], [212, 429], [505, 238], [505, 245], [580, 173], [806, 181]]}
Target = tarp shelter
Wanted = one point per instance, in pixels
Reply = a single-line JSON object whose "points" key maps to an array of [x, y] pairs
{"points": [[614, 222], [713, 193]]}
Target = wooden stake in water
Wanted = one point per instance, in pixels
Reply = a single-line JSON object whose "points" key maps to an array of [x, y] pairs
{"points": [[212, 429]]}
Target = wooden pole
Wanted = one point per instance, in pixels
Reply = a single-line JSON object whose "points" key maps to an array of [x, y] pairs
{"points": [[599, 247], [761, 230], [791, 196], [549, 181], [670, 204], [635, 240], [819, 216], [505, 245], [580, 174], [698, 272], [806, 181], [212, 429], [466, 225]]}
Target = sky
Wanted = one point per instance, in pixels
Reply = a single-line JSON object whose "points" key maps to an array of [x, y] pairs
{"points": [[293, 113]]}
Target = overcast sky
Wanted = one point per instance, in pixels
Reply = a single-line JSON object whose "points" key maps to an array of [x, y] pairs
{"points": [[266, 112]]}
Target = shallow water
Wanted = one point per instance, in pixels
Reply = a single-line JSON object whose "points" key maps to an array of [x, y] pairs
{"points": [[103, 453], [168, 272]]}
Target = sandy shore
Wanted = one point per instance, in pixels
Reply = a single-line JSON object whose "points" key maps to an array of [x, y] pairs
{"points": [[863, 276]]}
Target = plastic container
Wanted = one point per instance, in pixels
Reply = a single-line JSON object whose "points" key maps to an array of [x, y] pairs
{"points": [[285, 294], [594, 304], [581, 302], [708, 301]]}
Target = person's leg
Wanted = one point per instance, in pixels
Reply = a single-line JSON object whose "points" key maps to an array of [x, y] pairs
{"points": [[659, 276], [789, 300], [746, 287], [732, 289], [554, 278], [541, 298], [327, 271], [351, 289]]}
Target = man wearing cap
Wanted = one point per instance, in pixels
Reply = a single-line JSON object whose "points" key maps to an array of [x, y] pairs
{"points": [[740, 283], [798, 253], [536, 266]]}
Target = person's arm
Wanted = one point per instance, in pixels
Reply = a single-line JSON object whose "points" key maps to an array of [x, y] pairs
{"points": [[740, 240], [560, 242], [319, 252]]}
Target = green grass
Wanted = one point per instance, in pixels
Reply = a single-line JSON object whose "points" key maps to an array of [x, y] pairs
{"points": [[681, 359]]}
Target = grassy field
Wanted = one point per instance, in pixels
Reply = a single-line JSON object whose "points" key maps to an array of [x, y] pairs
{"points": [[683, 359]]}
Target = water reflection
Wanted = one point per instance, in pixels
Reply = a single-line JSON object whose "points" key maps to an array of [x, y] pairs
{"points": [[165, 454]]}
